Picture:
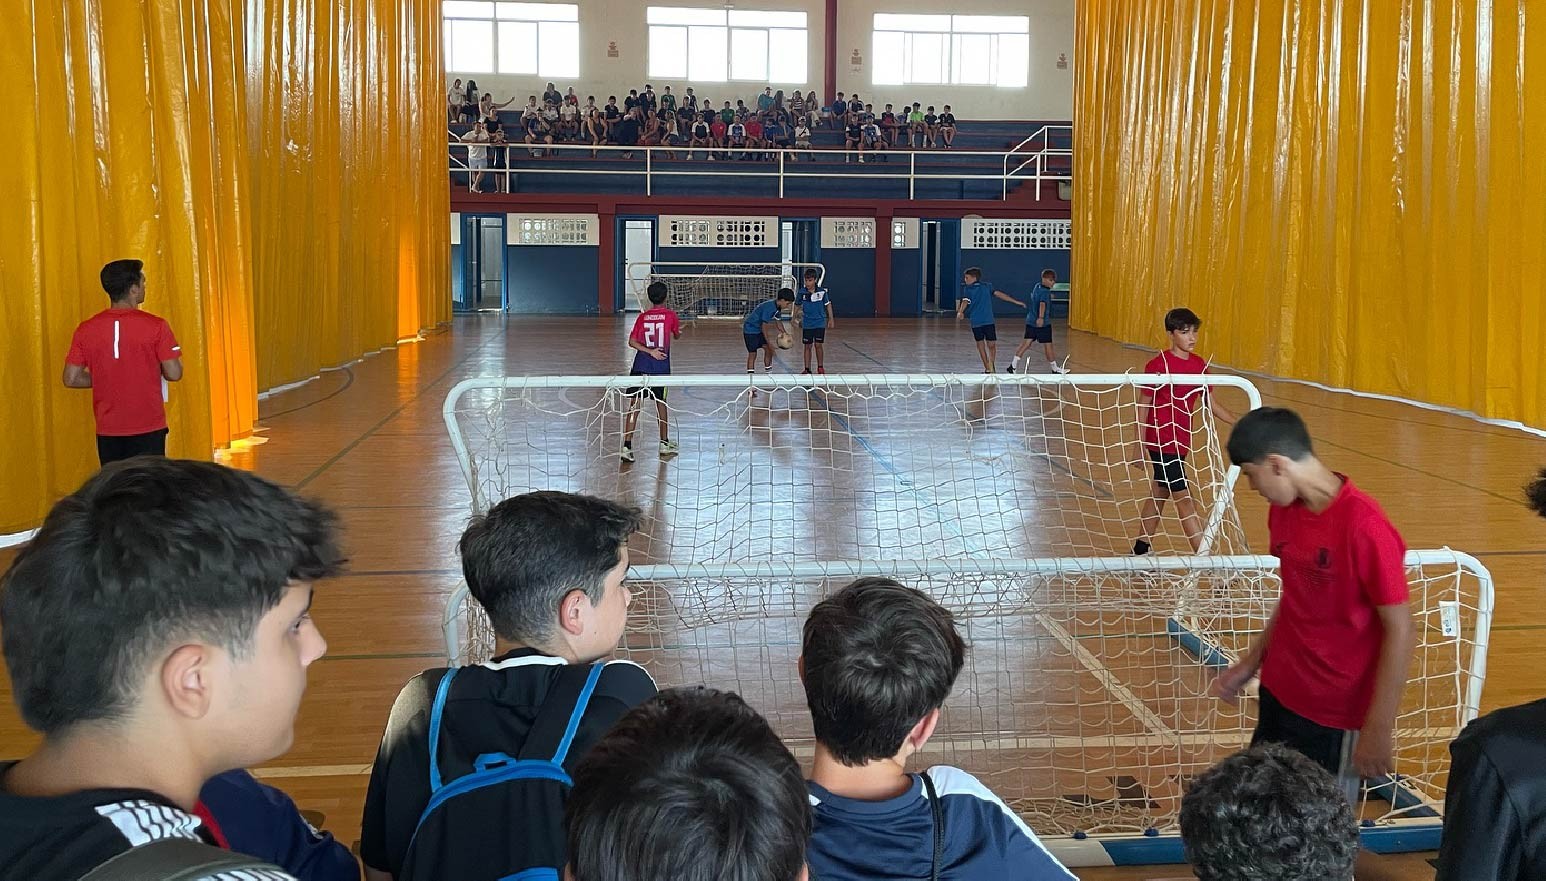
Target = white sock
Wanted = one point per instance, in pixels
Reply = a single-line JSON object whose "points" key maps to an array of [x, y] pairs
{"points": [[1015, 362]]}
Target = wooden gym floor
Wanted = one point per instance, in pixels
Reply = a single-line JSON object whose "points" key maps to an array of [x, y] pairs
{"points": [[369, 441]]}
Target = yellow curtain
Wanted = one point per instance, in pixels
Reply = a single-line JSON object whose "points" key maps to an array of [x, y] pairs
{"points": [[1347, 191], [277, 164]]}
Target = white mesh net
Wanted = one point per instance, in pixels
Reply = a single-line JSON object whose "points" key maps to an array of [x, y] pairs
{"points": [[1013, 501], [719, 290]]}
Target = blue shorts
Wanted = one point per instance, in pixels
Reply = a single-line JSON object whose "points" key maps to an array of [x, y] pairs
{"points": [[754, 341], [988, 332]]}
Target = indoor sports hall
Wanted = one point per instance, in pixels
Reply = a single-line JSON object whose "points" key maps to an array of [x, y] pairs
{"points": [[409, 302]]}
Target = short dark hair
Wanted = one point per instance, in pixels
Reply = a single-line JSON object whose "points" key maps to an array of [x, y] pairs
{"points": [[785, 295], [147, 553], [657, 292], [1269, 431], [1535, 493], [878, 656], [973, 271], [1181, 319], [1268, 812], [529, 551], [1047, 272], [121, 275], [811, 273], [691, 785]]}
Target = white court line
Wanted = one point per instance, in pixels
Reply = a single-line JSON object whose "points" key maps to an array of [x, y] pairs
{"points": [[1122, 693]]}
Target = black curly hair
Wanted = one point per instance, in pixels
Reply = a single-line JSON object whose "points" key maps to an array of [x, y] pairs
{"points": [[1268, 814], [1535, 493]]}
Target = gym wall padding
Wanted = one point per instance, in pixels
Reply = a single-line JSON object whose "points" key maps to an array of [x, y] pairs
{"points": [[1348, 191], [277, 164]]}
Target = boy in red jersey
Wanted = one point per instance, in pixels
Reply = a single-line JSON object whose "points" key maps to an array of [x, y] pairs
{"points": [[651, 340], [1167, 429], [1333, 657]]}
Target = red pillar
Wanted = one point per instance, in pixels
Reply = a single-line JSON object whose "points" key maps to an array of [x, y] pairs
{"points": [[831, 52], [883, 265], [606, 271]]}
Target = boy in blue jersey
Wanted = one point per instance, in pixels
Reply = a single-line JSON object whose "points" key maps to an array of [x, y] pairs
{"points": [[651, 340], [976, 303], [878, 660], [1038, 324], [762, 326], [815, 318]]}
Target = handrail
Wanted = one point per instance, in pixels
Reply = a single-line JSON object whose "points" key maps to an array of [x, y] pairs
{"points": [[784, 166]]}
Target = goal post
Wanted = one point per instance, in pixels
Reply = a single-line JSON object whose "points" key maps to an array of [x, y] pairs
{"points": [[1084, 702], [716, 289]]}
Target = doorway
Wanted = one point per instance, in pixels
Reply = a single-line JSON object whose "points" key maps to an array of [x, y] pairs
{"points": [[483, 264]]}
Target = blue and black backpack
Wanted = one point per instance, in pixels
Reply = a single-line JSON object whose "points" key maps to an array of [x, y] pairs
{"points": [[504, 820]]}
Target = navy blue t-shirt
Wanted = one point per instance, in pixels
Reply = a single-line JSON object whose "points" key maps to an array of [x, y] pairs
{"points": [[766, 313], [853, 840]]}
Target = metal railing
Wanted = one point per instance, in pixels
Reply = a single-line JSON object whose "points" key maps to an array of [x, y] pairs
{"points": [[662, 162]]}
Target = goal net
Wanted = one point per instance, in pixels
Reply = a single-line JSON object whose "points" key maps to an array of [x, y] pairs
{"points": [[717, 290], [1015, 501]]}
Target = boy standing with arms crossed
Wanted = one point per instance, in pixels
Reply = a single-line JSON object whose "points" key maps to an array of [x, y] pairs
{"points": [[1333, 658]]}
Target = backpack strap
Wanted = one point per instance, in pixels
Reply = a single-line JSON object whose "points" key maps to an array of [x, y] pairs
{"points": [[436, 711], [553, 731], [175, 859], [939, 826]]}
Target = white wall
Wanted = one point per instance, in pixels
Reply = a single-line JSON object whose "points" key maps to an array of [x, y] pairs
{"points": [[1050, 94]]}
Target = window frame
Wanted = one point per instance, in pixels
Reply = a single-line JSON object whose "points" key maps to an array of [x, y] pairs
{"points": [[952, 31], [683, 21], [559, 16]]}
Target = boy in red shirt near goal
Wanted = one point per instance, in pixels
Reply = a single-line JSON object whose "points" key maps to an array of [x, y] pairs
{"points": [[651, 339], [1333, 657], [1167, 429]]}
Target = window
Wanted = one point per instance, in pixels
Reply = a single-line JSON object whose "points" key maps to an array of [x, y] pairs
{"points": [[719, 45], [968, 50], [495, 36]]}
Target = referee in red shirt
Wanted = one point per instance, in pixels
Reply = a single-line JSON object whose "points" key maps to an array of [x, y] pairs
{"points": [[1333, 658], [126, 356]]}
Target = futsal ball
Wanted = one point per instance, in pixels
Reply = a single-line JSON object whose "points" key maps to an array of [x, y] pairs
{"points": [[784, 341]]}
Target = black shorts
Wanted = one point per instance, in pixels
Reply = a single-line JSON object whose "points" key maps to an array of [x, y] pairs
{"points": [[985, 332], [754, 341], [1169, 469], [112, 448], [1041, 334], [813, 335], [647, 391], [1331, 748]]}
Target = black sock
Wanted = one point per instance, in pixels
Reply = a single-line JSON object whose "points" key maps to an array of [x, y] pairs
{"points": [[1140, 547]]}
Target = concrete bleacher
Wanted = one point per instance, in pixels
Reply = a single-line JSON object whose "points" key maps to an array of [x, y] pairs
{"points": [[533, 174]]}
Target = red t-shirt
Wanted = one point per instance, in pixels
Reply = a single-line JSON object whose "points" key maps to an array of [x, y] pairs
{"points": [[1169, 429], [1338, 566], [754, 129], [718, 129], [123, 349]]}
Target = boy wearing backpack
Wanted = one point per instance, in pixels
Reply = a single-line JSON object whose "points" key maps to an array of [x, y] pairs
{"points": [[473, 771], [157, 632], [878, 660]]}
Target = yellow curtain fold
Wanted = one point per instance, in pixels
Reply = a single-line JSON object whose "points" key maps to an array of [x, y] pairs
{"points": [[275, 164], [1348, 191]]}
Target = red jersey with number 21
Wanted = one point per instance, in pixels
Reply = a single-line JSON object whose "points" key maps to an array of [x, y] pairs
{"points": [[1170, 413], [1338, 568], [654, 329]]}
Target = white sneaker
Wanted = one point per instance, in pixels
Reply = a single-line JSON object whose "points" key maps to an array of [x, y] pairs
{"points": [[668, 449], [627, 454], [1058, 368]]}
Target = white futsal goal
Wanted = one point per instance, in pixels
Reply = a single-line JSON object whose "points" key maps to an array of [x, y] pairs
{"points": [[717, 290], [1014, 502]]}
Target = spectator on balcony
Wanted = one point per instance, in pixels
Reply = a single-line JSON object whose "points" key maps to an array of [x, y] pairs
{"points": [[718, 131], [854, 104], [477, 153], [736, 136], [591, 126], [765, 100], [531, 109], [802, 137], [741, 110], [867, 115], [931, 127], [754, 137], [649, 130], [797, 106], [550, 118], [874, 140], [470, 102], [488, 111], [571, 98], [611, 116], [568, 121], [454, 98], [776, 134], [690, 101], [701, 137], [667, 101], [649, 99], [536, 131], [889, 124], [853, 138], [947, 127], [812, 109], [498, 160], [685, 117], [630, 102], [837, 112], [726, 115], [551, 96], [626, 132], [670, 135], [915, 127]]}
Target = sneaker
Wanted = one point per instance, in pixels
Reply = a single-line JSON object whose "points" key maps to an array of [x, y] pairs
{"points": [[627, 454], [1011, 368], [822, 370], [1058, 368], [805, 372], [668, 449]]}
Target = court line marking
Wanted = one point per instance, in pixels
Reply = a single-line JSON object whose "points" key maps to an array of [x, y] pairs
{"points": [[1101, 672]]}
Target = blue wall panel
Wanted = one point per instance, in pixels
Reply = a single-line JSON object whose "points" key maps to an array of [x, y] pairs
{"points": [[851, 280], [458, 276], [551, 279], [907, 282], [1013, 272]]}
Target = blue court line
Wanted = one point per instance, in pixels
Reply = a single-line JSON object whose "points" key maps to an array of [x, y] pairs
{"points": [[865, 355]]}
